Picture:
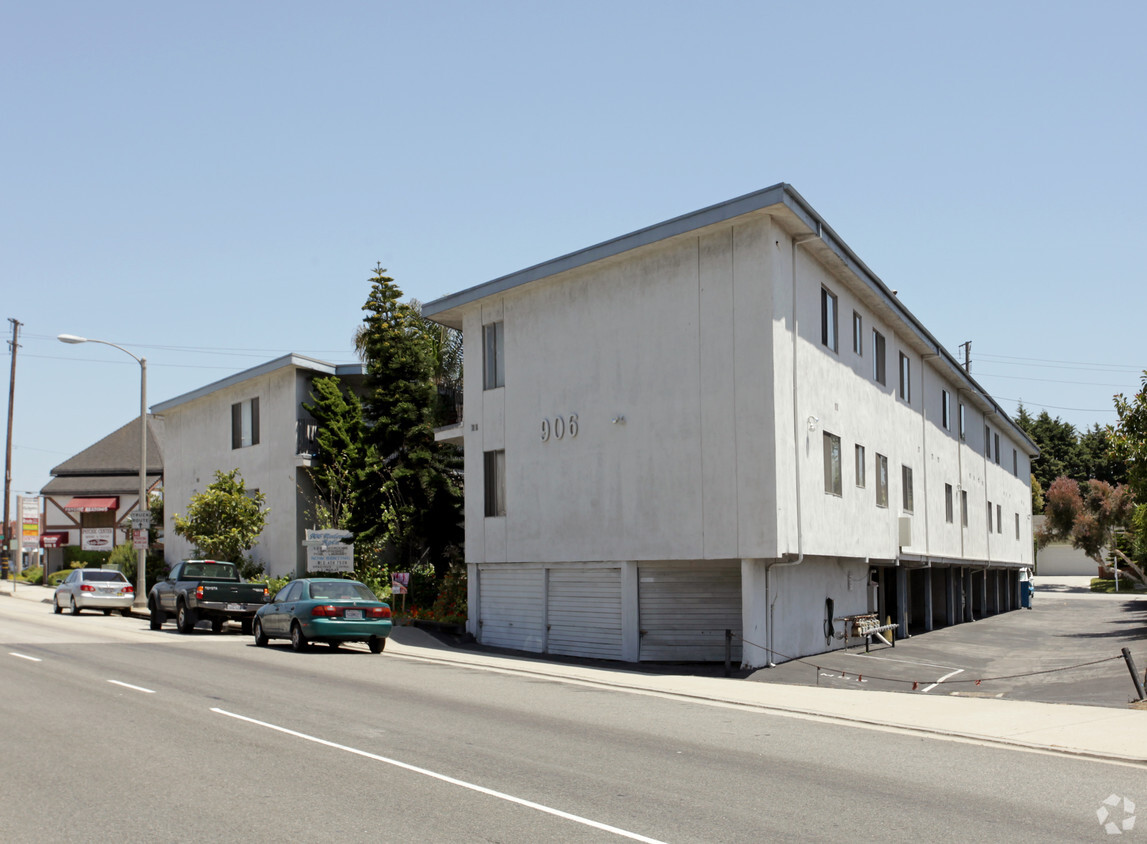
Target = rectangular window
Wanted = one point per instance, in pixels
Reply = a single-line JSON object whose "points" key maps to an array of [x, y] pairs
{"points": [[832, 473], [881, 480], [949, 508], [964, 507], [1017, 525], [997, 436], [857, 334], [989, 517], [963, 428], [828, 321], [495, 478], [493, 355], [878, 374], [999, 519], [905, 378], [860, 479], [245, 423], [1015, 463], [987, 442], [906, 485], [946, 409]]}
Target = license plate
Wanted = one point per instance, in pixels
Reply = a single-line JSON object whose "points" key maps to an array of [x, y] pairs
{"points": [[354, 614], [234, 607]]}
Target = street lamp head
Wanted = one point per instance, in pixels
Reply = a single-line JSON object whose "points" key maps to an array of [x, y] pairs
{"points": [[71, 338]]}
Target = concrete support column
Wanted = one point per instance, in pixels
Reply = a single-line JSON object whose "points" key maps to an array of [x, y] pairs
{"points": [[900, 611], [984, 594], [1015, 579], [630, 613], [950, 595], [928, 624], [473, 600], [754, 614], [968, 614]]}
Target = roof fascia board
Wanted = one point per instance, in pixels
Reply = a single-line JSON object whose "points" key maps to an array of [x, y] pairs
{"points": [[295, 360]]}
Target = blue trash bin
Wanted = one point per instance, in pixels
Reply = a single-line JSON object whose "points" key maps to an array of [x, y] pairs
{"points": [[1026, 594]]}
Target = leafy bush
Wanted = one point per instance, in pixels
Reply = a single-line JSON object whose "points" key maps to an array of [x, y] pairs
{"points": [[32, 574]]}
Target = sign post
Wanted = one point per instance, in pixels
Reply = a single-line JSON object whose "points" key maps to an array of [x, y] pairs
{"points": [[140, 524]]}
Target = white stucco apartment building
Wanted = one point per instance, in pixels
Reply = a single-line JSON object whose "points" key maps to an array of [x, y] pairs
{"points": [[724, 421], [252, 421]]}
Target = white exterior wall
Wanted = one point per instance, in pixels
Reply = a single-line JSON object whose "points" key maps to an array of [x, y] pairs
{"points": [[198, 443], [661, 340]]}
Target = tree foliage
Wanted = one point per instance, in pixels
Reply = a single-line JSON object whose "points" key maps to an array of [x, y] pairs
{"points": [[338, 464], [408, 492], [225, 520], [1089, 516]]}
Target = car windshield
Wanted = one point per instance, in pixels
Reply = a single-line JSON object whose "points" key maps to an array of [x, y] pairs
{"points": [[210, 571], [346, 590], [105, 575]]}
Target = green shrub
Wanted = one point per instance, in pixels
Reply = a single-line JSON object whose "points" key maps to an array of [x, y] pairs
{"points": [[33, 574]]}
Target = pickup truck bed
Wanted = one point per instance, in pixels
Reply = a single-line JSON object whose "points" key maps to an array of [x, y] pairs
{"points": [[205, 589]]}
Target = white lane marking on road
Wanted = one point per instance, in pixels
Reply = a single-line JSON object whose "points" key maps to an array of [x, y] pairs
{"points": [[24, 656], [447, 779], [942, 679], [133, 688]]}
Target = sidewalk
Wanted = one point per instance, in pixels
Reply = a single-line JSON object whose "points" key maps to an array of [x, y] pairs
{"points": [[1085, 731]]}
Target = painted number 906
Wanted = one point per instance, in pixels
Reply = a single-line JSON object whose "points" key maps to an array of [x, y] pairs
{"points": [[559, 427]]}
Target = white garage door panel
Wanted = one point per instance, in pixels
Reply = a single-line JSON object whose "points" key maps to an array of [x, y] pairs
{"points": [[512, 610], [585, 612], [685, 611]]}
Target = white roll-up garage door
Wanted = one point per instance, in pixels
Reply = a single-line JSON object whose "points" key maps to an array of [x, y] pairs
{"points": [[686, 609], [512, 607], [584, 606]]}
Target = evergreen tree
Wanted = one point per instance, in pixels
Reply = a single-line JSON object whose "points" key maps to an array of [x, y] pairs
{"points": [[341, 452], [409, 492]]}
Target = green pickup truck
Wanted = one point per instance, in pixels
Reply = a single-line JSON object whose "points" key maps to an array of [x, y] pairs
{"points": [[205, 589]]}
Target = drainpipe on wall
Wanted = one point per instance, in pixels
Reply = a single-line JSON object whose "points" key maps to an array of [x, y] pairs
{"points": [[797, 240]]}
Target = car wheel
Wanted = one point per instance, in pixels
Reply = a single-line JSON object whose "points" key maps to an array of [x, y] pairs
{"points": [[216, 625], [334, 646], [260, 636], [72, 602], [56, 608], [125, 612], [184, 618], [376, 644], [107, 612], [298, 640], [157, 616]]}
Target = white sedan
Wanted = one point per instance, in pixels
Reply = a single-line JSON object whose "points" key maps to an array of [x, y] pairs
{"points": [[94, 589]]}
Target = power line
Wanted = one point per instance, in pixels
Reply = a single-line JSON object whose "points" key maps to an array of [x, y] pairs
{"points": [[1048, 380], [1065, 364], [1027, 403]]}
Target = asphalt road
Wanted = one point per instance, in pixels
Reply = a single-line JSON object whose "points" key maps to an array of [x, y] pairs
{"points": [[110, 731], [1066, 649]]}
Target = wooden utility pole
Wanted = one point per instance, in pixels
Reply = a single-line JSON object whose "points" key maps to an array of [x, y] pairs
{"points": [[967, 347], [8, 452]]}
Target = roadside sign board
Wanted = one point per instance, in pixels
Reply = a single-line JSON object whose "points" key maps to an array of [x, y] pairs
{"points": [[97, 539], [139, 539], [327, 552], [30, 520], [399, 582], [140, 518]]}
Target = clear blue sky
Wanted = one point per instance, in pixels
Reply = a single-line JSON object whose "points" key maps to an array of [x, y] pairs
{"points": [[211, 183]]}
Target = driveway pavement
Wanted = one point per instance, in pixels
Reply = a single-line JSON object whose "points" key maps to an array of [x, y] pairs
{"points": [[1066, 649]]}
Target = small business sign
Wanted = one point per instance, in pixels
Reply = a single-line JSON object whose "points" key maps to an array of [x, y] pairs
{"points": [[139, 539], [327, 552], [399, 582], [97, 539], [30, 520]]}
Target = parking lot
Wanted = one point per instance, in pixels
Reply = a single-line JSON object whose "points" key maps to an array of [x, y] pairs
{"points": [[1066, 649]]}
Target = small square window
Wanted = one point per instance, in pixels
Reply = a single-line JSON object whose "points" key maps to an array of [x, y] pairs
{"points": [[245, 423]]}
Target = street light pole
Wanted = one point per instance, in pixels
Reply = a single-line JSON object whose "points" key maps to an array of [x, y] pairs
{"points": [[141, 565]]}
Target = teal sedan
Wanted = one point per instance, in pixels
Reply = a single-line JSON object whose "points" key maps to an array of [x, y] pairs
{"points": [[324, 609]]}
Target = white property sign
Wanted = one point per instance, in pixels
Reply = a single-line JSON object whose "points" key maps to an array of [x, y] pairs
{"points": [[97, 539], [326, 550]]}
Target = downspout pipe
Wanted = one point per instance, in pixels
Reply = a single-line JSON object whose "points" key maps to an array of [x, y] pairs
{"points": [[796, 560]]}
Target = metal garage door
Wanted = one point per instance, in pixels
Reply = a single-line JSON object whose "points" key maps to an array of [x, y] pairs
{"points": [[585, 612], [685, 610], [512, 608]]}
